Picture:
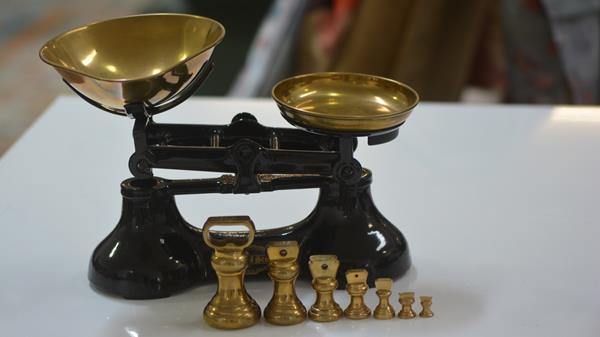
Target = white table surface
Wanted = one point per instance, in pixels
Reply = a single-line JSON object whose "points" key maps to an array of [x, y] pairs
{"points": [[500, 205]]}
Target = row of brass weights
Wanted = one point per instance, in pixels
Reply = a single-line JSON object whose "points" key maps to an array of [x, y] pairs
{"points": [[232, 308]]}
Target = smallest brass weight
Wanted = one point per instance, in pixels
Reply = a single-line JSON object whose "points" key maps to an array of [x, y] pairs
{"points": [[384, 309], [407, 299], [357, 287], [426, 304]]}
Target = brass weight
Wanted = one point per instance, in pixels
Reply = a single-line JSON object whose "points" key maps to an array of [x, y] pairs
{"points": [[384, 309], [357, 287], [323, 269], [426, 302], [284, 308], [407, 299], [231, 307]]}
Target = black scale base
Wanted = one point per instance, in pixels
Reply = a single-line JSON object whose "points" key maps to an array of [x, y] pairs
{"points": [[153, 252]]}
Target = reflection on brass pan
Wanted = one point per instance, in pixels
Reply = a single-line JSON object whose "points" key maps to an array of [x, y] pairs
{"points": [[344, 102], [142, 58], [285, 307], [231, 307]]}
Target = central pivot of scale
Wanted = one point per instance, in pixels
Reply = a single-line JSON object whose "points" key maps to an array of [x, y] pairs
{"points": [[153, 252]]}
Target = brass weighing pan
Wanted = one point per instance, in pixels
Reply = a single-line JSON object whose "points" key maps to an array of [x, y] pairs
{"points": [[148, 59], [344, 103]]}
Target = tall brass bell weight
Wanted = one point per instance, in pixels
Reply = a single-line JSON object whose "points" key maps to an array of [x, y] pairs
{"points": [[231, 307]]}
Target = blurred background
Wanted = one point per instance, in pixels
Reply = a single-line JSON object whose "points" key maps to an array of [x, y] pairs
{"points": [[472, 51]]}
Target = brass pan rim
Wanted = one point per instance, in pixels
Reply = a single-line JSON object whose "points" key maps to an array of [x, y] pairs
{"points": [[406, 110], [141, 78]]}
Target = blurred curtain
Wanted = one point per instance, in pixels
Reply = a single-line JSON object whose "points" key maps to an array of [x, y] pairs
{"points": [[428, 44], [271, 54]]}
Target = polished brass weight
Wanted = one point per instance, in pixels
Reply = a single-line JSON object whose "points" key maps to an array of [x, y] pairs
{"points": [[426, 302], [231, 307], [384, 309], [323, 269], [407, 299], [285, 307], [357, 287]]}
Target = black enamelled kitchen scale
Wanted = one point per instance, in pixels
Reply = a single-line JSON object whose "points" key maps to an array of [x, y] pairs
{"points": [[140, 66]]}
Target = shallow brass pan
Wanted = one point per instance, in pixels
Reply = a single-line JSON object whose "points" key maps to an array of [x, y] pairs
{"points": [[344, 103], [146, 59]]}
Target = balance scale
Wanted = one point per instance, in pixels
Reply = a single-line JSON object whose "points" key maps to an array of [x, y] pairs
{"points": [[143, 65]]}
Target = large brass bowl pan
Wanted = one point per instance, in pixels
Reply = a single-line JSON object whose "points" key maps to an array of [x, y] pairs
{"points": [[143, 58], [344, 102]]}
